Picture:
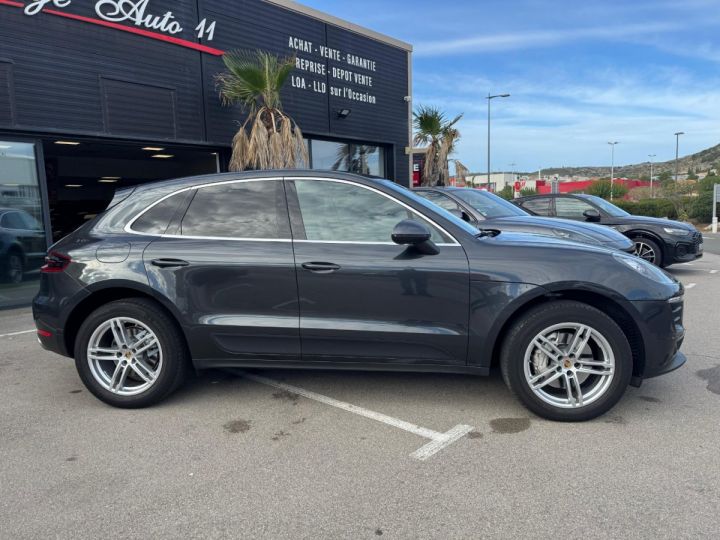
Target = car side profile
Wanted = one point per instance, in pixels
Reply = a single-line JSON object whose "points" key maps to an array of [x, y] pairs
{"points": [[486, 210], [310, 269], [660, 241]]}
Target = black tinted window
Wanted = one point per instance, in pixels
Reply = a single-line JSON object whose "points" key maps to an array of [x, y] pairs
{"points": [[571, 207], [339, 212], [157, 218], [540, 207], [238, 210]]}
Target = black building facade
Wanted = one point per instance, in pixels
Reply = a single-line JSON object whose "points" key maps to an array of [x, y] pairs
{"points": [[101, 94]]}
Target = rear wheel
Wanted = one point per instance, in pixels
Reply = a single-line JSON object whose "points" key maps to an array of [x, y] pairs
{"points": [[130, 354], [14, 269], [566, 361], [649, 250]]}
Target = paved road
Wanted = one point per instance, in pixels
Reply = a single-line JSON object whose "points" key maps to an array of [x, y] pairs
{"points": [[711, 243], [231, 457]]}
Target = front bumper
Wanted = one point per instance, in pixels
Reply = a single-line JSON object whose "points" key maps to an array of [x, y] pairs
{"points": [[687, 250], [661, 336]]}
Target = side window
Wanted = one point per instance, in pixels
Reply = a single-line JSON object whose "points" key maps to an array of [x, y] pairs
{"points": [[339, 212], [157, 218], [539, 207], [253, 209], [441, 200], [571, 207]]}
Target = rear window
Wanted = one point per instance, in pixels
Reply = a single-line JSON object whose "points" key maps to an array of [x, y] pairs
{"points": [[157, 218], [250, 209], [540, 207]]}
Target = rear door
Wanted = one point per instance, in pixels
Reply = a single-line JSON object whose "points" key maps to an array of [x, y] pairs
{"points": [[226, 261], [572, 208]]}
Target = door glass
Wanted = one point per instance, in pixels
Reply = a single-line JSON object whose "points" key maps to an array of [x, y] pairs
{"points": [[254, 209], [157, 218], [441, 200], [22, 235], [339, 212], [539, 207], [571, 208]]}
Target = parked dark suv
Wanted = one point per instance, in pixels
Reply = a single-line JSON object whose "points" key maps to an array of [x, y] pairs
{"points": [[660, 241], [22, 244], [289, 269]]}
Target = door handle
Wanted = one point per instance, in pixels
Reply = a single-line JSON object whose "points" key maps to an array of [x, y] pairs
{"points": [[168, 263], [321, 267]]}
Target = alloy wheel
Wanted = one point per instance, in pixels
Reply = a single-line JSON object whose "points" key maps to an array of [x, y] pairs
{"points": [[569, 365], [15, 269], [125, 356], [645, 251]]}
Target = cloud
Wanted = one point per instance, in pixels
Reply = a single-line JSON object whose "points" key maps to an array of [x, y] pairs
{"points": [[538, 38]]}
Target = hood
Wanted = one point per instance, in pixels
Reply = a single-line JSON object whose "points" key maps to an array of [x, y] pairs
{"points": [[658, 222], [576, 231], [523, 239]]}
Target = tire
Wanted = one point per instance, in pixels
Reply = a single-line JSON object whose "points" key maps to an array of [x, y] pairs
{"points": [[13, 271], [646, 245], [163, 365], [521, 362]]}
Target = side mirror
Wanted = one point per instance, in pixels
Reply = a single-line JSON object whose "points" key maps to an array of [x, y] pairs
{"points": [[460, 214], [413, 233], [591, 214]]}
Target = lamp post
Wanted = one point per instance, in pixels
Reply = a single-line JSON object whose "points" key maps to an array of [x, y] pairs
{"points": [[612, 166], [677, 147], [652, 191], [489, 98]]}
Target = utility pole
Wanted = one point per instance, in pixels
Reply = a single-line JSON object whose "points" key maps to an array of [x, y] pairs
{"points": [[489, 98], [612, 167], [677, 147], [652, 191]]}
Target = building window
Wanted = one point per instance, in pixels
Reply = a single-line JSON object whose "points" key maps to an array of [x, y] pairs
{"points": [[357, 158]]}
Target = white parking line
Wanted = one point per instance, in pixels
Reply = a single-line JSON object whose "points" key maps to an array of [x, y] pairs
{"points": [[690, 285], [18, 333], [438, 440], [713, 271]]}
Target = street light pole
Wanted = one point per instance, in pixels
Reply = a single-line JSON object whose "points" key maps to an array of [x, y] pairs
{"points": [[612, 167], [489, 98], [652, 191], [677, 147]]}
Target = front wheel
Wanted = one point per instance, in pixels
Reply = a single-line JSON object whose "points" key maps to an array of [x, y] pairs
{"points": [[130, 354], [649, 250], [566, 361]]}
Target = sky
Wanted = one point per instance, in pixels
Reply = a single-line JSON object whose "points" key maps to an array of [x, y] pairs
{"points": [[580, 73]]}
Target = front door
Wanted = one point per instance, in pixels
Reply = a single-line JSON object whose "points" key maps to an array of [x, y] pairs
{"points": [[365, 299], [227, 263]]}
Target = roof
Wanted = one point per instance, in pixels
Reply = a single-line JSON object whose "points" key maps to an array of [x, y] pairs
{"points": [[347, 25]]}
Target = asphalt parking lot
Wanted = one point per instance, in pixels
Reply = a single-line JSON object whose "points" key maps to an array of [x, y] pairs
{"points": [[293, 454]]}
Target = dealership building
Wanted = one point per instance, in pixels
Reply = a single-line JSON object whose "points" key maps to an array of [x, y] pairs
{"points": [[101, 94]]}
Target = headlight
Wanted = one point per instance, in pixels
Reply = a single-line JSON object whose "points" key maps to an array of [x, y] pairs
{"points": [[676, 231], [643, 267]]}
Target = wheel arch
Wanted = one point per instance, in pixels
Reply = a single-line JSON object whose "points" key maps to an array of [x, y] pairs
{"points": [[109, 292], [644, 233], [612, 307]]}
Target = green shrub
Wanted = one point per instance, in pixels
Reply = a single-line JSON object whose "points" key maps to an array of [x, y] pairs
{"points": [[506, 192], [527, 192], [601, 188], [649, 207]]}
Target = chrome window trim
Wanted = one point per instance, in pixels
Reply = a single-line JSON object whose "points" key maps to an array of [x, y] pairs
{"points": [[128, 226], [340, 181]]}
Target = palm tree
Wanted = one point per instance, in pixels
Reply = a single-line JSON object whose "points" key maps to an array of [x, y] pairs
{"points": [[269, 138], [439, 135]]}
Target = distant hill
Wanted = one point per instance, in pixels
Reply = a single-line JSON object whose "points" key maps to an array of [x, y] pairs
{"points": [[700, 161]]}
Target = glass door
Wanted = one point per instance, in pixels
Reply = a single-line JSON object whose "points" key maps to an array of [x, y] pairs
{"points": [[22, 228]]}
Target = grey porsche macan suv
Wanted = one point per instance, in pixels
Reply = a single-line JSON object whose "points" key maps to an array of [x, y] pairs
{"points": [[308, 269]]}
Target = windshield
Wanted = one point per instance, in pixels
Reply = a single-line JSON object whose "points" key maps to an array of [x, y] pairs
{"points": [[488, 204], [431, 206], [607, 207]]}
